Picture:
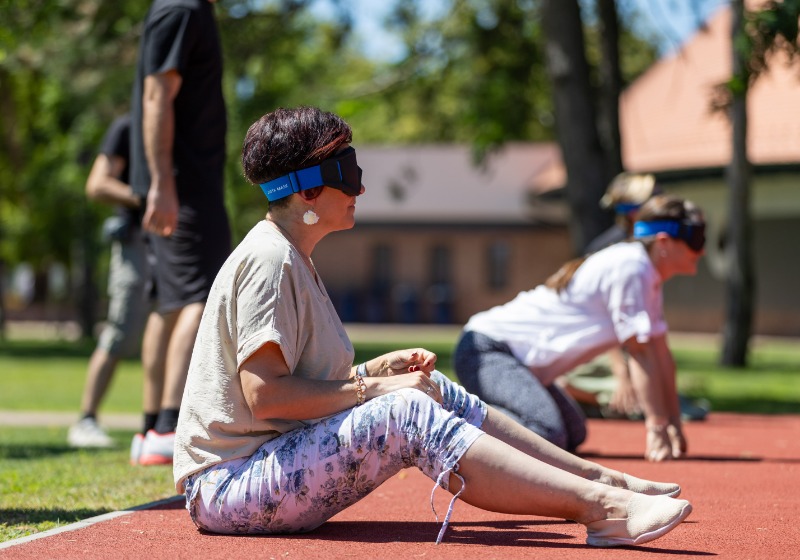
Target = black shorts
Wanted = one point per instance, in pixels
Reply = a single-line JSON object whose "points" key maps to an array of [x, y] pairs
{"points": [[187, 261]]}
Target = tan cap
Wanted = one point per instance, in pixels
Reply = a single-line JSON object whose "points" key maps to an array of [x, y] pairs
{"points": [[629, 188]]}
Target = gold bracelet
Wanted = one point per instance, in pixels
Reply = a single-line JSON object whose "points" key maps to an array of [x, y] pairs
{"points": [[361, 389]]}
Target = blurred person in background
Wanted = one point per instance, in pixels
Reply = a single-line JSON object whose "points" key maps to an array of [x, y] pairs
{"points": [[512, 355], [129, 282], [602, 386], [624, 196]]}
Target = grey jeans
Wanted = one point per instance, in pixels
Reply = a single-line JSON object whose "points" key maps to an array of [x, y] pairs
{"points": [[487, 369]]}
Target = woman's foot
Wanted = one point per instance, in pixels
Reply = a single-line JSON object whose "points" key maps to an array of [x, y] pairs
{"points": [[647, 518], [640, 485], [651, 488]]}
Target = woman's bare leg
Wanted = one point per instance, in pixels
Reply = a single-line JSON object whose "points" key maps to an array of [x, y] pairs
{"points": [[510, 432], [500, 478]]}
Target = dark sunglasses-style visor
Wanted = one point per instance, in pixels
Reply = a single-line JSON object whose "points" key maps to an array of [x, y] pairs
{"points": [[694, 235], [340, 172]]}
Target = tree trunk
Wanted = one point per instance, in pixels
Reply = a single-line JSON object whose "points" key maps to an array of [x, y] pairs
{"points": [[740, 281], [576, 125], [611, 85]]}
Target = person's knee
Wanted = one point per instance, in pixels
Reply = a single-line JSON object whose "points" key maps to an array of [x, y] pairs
{"points": [[412, 411], [577, 435], [411, 400]]}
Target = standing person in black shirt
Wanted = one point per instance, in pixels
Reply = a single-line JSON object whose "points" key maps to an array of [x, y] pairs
{"points": [[178, 155]]}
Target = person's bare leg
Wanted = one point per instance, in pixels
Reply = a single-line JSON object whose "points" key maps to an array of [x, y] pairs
{"points": [[510, 432], [154, 359], [179, 354], [504, 479], [98, 377]]}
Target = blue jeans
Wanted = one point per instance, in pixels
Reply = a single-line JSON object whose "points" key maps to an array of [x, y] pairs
{"points": [[487, 369]]}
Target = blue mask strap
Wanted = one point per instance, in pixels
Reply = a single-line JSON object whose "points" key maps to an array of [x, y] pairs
{"points": [[647, 229], [626, 208], [293, 182]]}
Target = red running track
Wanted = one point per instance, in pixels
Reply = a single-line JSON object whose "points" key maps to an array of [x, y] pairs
{"points": [[742, 477]]}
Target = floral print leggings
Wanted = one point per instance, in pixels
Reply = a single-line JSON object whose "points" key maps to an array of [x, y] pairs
{"points": [[299, 480]]}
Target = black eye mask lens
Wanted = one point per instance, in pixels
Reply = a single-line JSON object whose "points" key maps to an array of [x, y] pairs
{"points": [[342, 172], [695, 236]]}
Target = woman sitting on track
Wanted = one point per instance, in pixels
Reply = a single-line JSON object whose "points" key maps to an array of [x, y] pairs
{"points": [[511, 355], [279, 430]]}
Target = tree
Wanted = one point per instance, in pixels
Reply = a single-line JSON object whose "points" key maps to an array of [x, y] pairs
{"points": [[611, 85], [474, 74], [56, 97], [755, 36], [66, 70], [588, 171], [740, 282]]}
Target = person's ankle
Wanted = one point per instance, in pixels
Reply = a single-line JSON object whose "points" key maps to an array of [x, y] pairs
{"points": [[610, 477], [610, 503]]}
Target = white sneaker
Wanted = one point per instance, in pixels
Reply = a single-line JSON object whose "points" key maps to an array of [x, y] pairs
{"points": [[157, 449], [136, 448], [649, 517], [87, 433]]}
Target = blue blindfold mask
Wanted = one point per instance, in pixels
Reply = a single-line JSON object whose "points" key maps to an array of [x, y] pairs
{"points": [[624, 208], [694, 235], [340, 172]]}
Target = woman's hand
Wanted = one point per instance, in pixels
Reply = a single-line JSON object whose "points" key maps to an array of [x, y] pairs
{"points": [[653, 375], [624, 400], [677, 441], [665, 442], [419, 380], [402, 369], [402, 361]]}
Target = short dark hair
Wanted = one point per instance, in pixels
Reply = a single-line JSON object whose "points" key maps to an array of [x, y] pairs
{"points": [[286, 140]]}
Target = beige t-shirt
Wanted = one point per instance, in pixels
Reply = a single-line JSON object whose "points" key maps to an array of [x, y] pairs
{"points": [[263, 293]]}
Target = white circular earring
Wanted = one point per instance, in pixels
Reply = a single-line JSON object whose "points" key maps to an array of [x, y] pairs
{"points": [[310, 217]]}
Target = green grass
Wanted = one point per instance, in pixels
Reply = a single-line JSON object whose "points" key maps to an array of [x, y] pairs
{"points": [[769, 385], [45, 484]]}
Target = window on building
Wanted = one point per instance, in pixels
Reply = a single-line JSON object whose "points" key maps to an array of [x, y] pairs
{"points": [[381, 274], [377, 304], [440, 292], [499, 261], [440, 265]]}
